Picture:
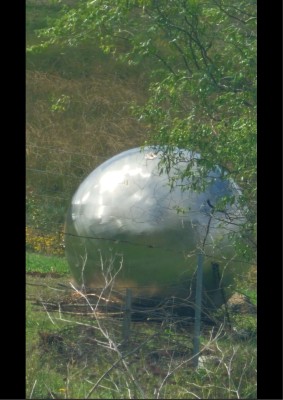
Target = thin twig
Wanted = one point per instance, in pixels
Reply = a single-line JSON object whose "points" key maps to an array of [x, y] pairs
{"points": [[49, 316], [31, 393]]}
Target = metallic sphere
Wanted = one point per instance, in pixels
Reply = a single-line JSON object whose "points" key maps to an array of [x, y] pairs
{"points": [[126, 221]]}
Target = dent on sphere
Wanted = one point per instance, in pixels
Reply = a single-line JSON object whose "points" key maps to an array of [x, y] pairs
{"points": [[124, 213]]}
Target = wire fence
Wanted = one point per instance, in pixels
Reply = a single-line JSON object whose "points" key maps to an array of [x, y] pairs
{"points": [[111, 318], [48, 196], [120, 308], [49, 193]]}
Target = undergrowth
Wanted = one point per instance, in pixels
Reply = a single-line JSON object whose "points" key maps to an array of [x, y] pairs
{"points": [[71, 354]]}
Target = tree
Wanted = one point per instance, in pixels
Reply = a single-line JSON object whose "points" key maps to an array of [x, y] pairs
{"points": [[202, 92]]}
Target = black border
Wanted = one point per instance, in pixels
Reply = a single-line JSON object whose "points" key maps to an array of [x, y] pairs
{"points": [[269, 202], [13, 202]]}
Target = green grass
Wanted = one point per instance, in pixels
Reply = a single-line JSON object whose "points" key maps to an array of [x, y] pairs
{"points": [[67, 354], [46, 264]]}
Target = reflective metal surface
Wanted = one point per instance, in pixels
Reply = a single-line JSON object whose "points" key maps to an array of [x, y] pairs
{"points": [[125, 215]]}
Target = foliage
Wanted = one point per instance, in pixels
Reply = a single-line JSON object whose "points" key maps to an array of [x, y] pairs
{"points": [[48, 243], [202, 94]]}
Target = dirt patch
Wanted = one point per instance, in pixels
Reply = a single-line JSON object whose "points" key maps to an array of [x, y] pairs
{"points": [[240, 303]]}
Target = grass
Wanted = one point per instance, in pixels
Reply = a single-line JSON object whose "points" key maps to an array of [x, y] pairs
{"points": [[43, 264], [68, 354], [78, 115]]}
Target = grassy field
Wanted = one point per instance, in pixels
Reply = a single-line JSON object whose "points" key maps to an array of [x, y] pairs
{"points": [[78, 115], [74, 352]]}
